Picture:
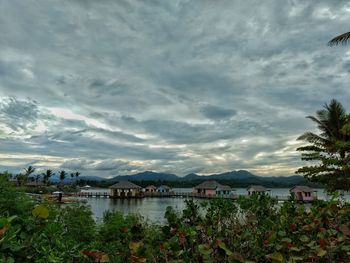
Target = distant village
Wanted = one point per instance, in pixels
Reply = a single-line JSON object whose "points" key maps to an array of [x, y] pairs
{"points": [[206, 189]]}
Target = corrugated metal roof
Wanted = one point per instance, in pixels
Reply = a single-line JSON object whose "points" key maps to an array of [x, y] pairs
{"points": [[303, 188], [225, 187], [125, 185], [164, 187], [256, 188], [210, 185]]}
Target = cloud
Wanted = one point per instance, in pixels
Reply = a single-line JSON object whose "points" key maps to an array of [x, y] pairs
{"points": [[215, 112], [18, 115], [177, 86]]}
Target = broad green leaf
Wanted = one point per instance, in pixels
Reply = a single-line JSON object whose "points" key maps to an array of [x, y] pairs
{"points": [[297, 249], [345, 230], [287, 240], [295, 258], [134, 246], [223, 246], [204, 250], [3, 222], [272, 237], [104, 259], [276, 256], [304, 238], [40, 211], [282, 233], [321, 252], [237, 257]]}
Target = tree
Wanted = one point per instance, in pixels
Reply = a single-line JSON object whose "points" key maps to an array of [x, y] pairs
{"points": [[341, 39], [37, 178], [76, 177], [62, 176], [47, 175], [29, 170], [21, 179], [72, 176], [329, 151]]}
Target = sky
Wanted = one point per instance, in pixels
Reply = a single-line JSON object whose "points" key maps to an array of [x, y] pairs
{"points": [[118, 87]]}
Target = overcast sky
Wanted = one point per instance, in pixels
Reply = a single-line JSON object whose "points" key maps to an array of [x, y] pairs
{"points": [[118, 87]]}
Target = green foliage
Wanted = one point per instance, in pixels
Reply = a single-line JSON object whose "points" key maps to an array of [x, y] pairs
{"points": [[328, 151], [251, 229]]}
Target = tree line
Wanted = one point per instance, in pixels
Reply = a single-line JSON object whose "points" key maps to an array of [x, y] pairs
{"points": [[28, 176]]}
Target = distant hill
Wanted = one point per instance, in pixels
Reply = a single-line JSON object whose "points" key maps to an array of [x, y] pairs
{"points": [[146, 176], [240, 177], [234, 175]]}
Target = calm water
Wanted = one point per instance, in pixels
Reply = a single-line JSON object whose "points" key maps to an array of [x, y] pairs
{"points": [[153, 209]]}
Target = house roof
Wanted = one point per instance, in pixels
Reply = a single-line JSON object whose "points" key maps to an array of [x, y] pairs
{"points": [[210, 185], [302, 188], [151, 186], [256, 188], [164, 187], [225, 187], [124, 185]]}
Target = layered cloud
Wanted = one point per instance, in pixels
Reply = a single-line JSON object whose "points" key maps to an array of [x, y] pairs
{"points": [[115, 87]]}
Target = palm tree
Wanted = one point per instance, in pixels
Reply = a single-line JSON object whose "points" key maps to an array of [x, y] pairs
{"points": [[37, 178], [330, 121], [72, 176], [76, 176], [29, 170], [62, 176], [329, 148], [341, 39], [47, 175]]}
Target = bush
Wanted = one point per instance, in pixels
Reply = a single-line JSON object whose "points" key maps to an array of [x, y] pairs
{"points": [[253, 229]]}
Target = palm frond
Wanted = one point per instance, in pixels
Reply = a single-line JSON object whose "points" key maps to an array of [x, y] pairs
{"points": [[342, 39], [313, 138]]}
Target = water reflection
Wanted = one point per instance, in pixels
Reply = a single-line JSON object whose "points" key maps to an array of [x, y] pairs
{"points": [[153, 209]]}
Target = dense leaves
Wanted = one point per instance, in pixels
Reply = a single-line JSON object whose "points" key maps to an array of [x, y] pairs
{"points": [[254, 229], [328, 151]]}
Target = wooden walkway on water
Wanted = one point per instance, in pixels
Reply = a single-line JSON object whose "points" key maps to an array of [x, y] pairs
{"points": [[172, 195]]}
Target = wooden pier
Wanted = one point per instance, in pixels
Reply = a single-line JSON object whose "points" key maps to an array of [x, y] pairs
{"points": [[92, 194], [171, 195]]}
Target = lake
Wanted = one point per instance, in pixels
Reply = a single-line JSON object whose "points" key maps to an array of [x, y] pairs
{"points": [[153, 209]]}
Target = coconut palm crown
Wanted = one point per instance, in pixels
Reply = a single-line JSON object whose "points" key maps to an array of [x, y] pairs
{"points": [[328, 150], [341, 39]]}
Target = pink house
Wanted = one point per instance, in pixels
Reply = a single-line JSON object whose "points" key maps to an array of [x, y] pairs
{"points": [[303, 193], [212, 188]]}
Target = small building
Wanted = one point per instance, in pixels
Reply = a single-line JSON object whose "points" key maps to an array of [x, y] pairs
{"points": [[212, 188], [150, 189], [125, 189], [163, 189], [257, 189], [303, 193], [224, 190], [35, 184], [86, 187]]}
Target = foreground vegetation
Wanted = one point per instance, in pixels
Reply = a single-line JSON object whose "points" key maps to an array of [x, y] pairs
{"points": [[249, 230]]}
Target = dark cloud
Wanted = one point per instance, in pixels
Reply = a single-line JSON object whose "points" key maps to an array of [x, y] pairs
{"points": [[217, 113], [18, 115]]}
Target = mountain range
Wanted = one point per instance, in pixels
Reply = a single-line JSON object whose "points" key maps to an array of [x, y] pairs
{"points": [[240, 177]]}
